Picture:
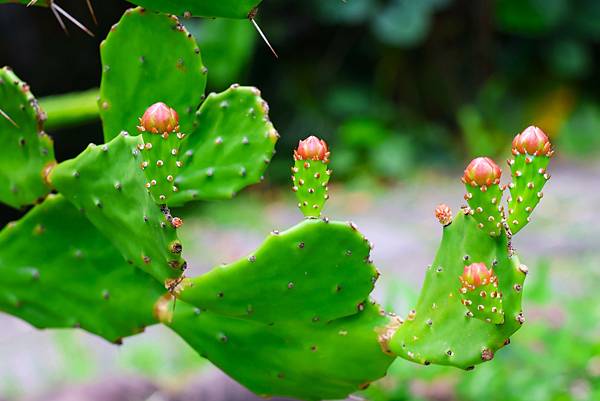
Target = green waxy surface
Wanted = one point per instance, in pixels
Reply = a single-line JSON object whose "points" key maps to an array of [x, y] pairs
{"points": [[438, 330], [58, 270], [310, 178], [294, 359], [148, 58], [528, 179], [484, 302], [202, 8], [486, 204], [161, 164], [25, 150], [229, 148], [107, 184], [314, 272]]}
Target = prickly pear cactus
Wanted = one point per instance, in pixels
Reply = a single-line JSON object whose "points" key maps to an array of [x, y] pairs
{"points": [[229, 141], [442, 329], [148, 58], [229, 148], [470, 303], [202, 8], [484, 194], [314, 272], [26, 152], [310, 175], [160, 151], [58, 270], [106, 183], [532, 152], [295, 359]]}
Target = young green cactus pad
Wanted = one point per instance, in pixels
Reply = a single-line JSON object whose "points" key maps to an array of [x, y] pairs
{"points": [[229, 148], [479, 293], [106, 183], [292, 358], [26, 152], [147, 58], [441, 329], [202, 8], [484, 194], [314, 272], [58, 270], [532, 152], [160, 151], [310, 175]]}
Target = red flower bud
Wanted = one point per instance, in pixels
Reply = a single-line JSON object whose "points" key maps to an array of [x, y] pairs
{"points": [[532, 141], [159, 119], [476, 275], [443, 214], [482, 171], [312, 148]]}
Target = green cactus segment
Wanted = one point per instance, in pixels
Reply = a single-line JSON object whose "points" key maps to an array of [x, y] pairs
{"points": [[106, 183], [310, 178], [300, 360], [26, 152], [528, 179], [441, 329], [58, 270], [484, 302], [202, 8], [314, 272], [148, 58], [161, 164], [486, 205], [230, 147]]}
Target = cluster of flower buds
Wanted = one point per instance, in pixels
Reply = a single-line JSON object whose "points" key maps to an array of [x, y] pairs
{"points": [[443, 214], [482, 171], [159, 119], [312, 148]]}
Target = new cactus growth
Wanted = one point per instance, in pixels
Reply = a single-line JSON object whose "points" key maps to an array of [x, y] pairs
{"points": [[531, 151], [160, 151], [310, 175], [480, 294], [23, 143], [484, 194]]}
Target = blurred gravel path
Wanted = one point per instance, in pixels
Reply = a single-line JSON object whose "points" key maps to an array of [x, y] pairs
{"points": [[399, 222]]}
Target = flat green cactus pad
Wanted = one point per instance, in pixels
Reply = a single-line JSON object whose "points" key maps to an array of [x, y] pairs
{"points": [[528, 179], [229, 148], [26, 152], [310, 178], [107, 184], [295, 359], [202, 8], [58, 270], [440, 329], [148, 58], [314, 272]]}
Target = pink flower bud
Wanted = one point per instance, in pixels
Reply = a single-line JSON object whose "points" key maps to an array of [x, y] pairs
{"points": [[476, 275], [159, 119], [443, 214], [532, 141], [482, 171], [312, 148]]}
